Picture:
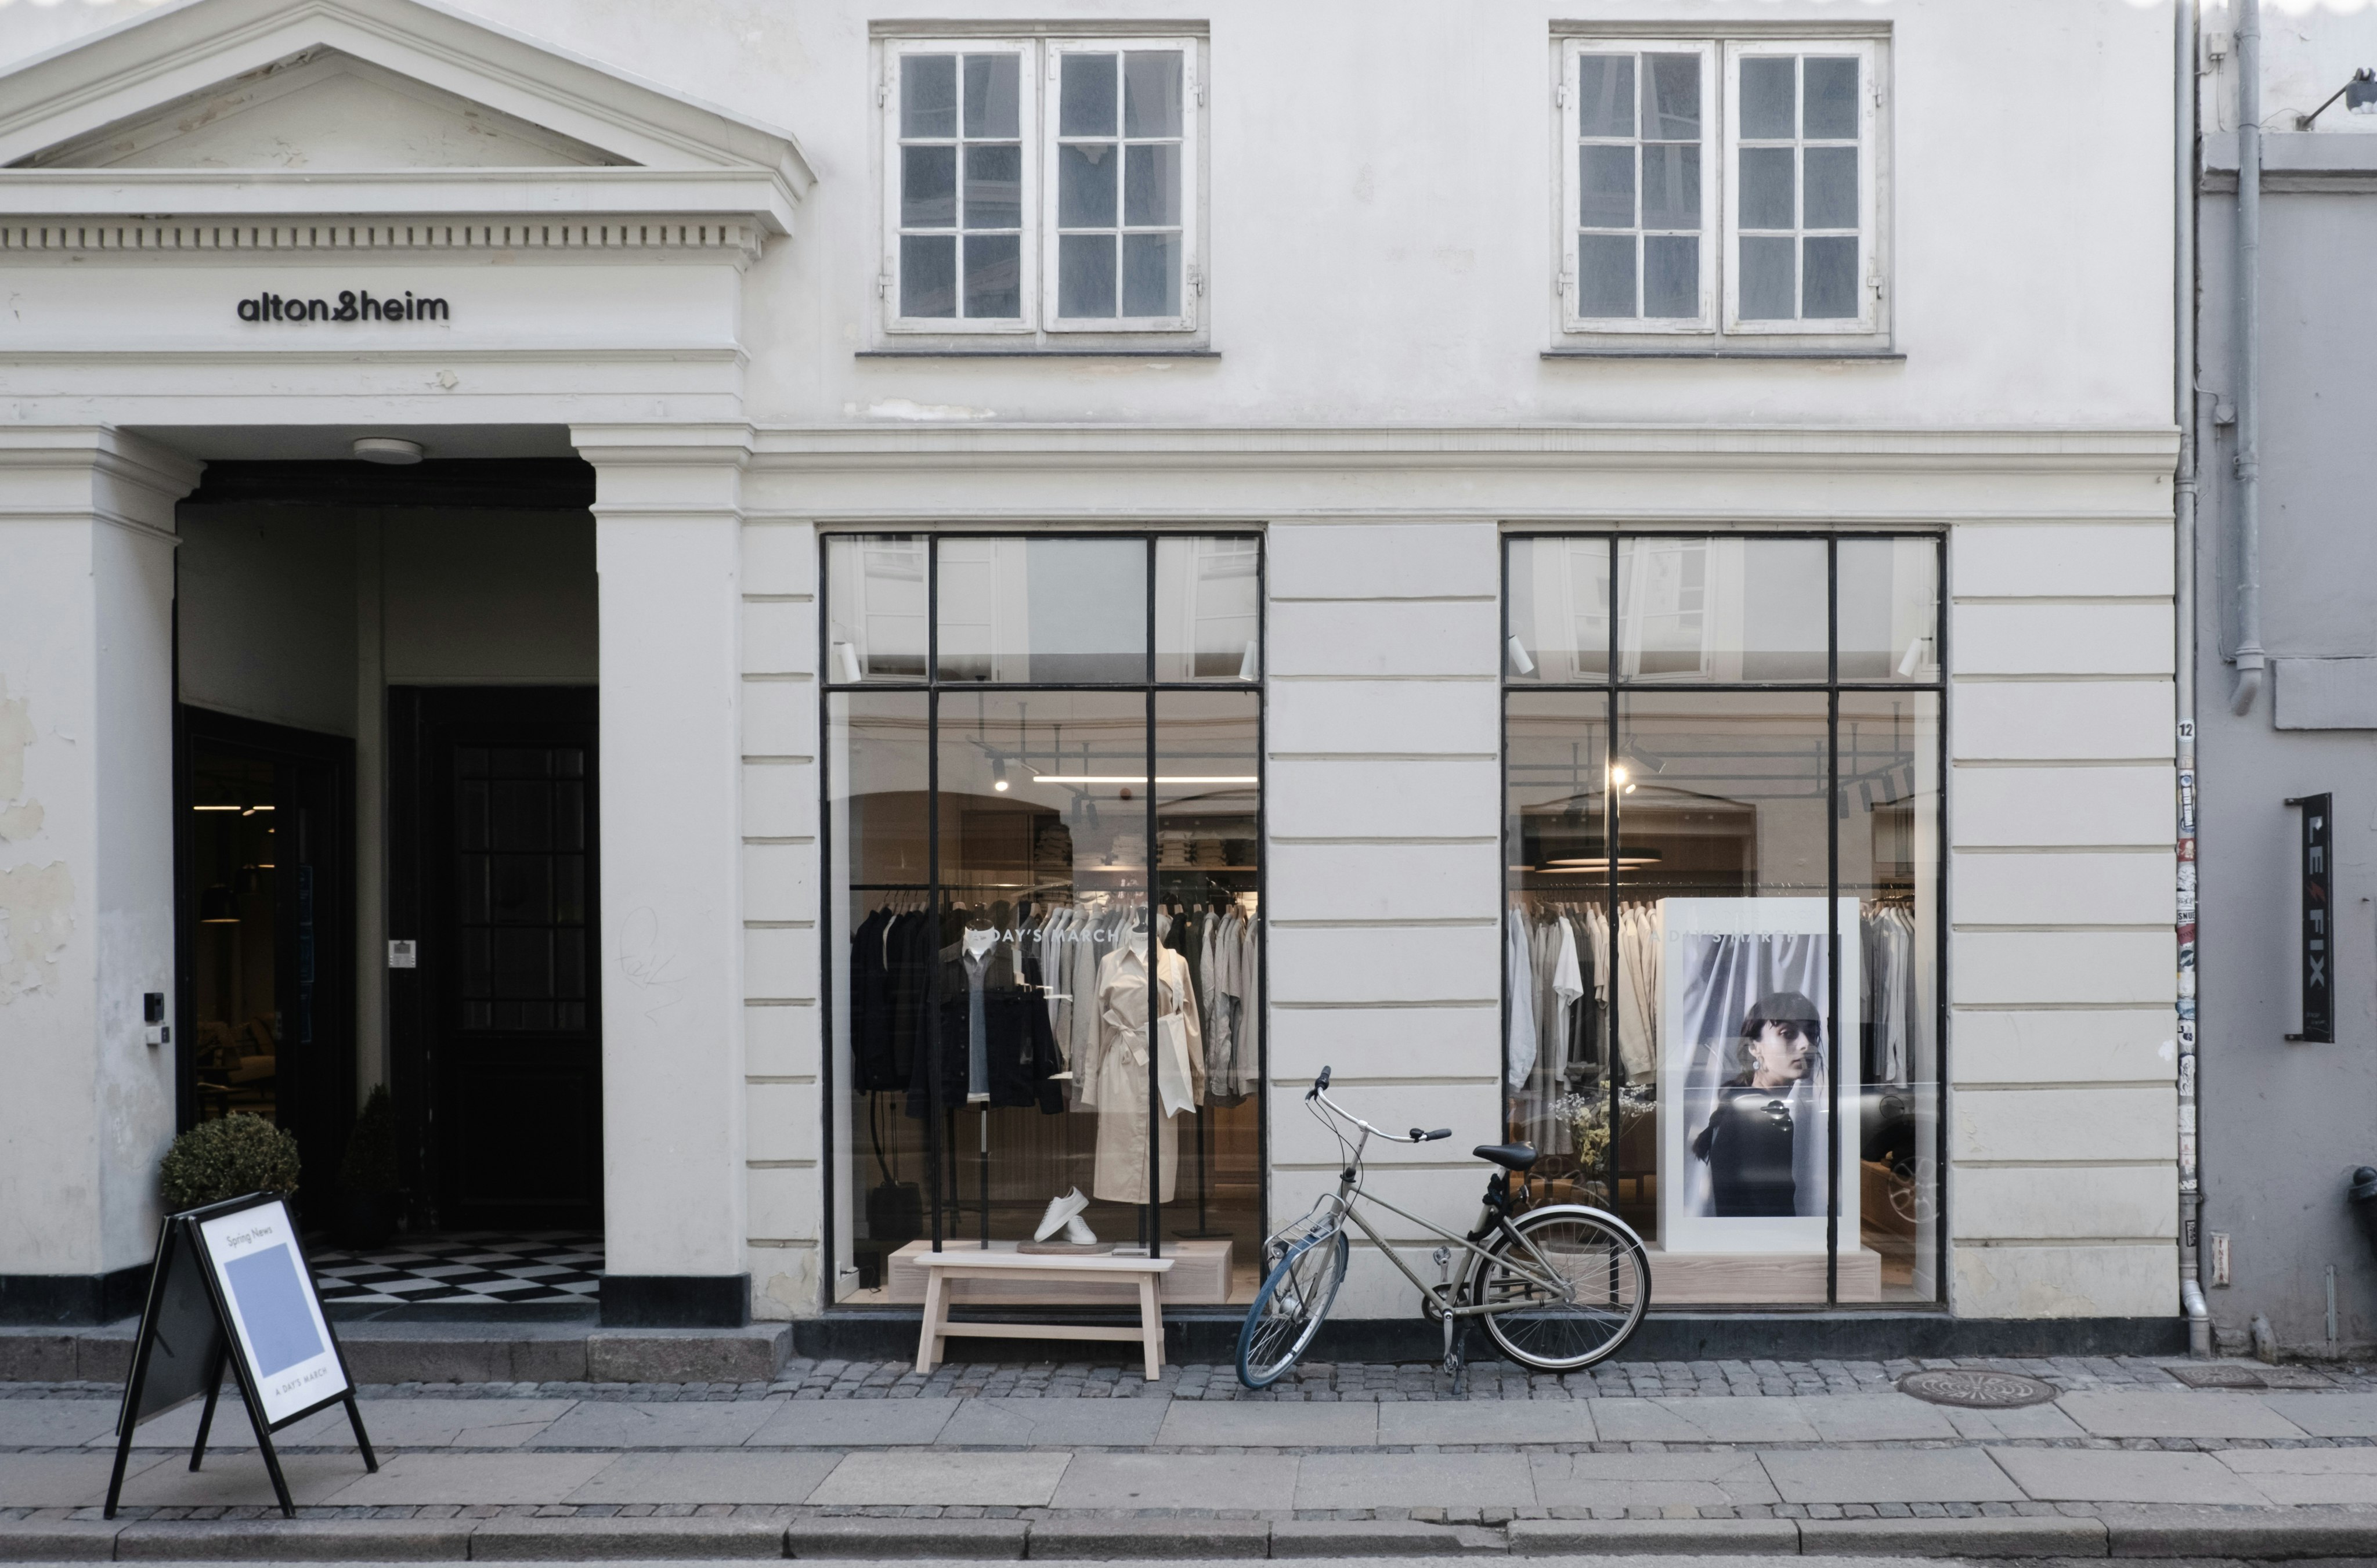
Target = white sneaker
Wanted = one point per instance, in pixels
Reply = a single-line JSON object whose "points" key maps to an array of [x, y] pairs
{"points": [[1062, 1213], [1079, 1234]]}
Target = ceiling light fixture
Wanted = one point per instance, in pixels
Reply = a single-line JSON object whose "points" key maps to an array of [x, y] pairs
{"points": [[1142, 778], [387, 450]]}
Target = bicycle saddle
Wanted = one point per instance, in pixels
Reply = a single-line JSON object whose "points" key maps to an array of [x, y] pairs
{"points": [[1510, 1157]]}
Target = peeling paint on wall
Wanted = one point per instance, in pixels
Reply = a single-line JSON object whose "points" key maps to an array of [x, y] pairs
{"points": [[36, 914], [16, 734]]}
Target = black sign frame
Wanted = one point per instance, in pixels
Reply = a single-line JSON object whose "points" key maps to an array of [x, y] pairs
{"points": [[186, 1337], [2318, 848]]}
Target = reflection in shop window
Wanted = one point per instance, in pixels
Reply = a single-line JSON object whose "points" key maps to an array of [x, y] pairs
{"points": [[1722, 939], [1045, 975]]}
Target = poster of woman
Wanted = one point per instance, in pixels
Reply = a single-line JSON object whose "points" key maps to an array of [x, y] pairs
{"points": [[1746, 1097]]}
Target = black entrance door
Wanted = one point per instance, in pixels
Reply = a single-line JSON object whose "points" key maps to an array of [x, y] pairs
{"points": [[499, 1022]]}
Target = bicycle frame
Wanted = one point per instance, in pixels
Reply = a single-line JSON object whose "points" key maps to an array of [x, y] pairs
{"points": [[1493, 1219]]}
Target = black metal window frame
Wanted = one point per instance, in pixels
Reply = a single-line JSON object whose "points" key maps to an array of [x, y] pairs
{"points": [[933, 688], [1614, 686]]}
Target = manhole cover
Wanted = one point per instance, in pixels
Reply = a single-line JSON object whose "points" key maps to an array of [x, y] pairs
{"points": [[1979, 1391]]}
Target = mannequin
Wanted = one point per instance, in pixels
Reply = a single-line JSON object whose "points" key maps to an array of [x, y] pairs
{"points": [[1115, 1082]]}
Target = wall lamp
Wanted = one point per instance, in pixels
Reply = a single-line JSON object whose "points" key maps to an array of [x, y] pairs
{"points": [[2360, 97]]}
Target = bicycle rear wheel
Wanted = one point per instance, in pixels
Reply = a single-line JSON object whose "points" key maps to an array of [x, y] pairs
{"points": [[1288, 1309], [1568, 1292]]}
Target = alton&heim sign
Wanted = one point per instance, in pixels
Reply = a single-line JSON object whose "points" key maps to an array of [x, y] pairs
{"points": [[351, 304]]}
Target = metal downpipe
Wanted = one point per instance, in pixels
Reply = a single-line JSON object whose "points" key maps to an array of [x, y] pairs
{"points": [[2184, 492], [2251, 662]]}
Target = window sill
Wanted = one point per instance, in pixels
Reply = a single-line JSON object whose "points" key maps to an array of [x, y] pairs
{"points": [[1884, 356], [1036, 354]]}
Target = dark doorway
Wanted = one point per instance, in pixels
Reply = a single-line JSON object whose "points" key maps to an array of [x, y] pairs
{"points": [[266, 1017], [497, 1031]]}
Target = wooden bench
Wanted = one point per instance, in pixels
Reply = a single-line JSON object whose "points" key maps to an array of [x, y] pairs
{"points": [[945, 1271]]}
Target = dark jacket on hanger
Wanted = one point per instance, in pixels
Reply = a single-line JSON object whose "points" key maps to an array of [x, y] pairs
{"points": [[1022, 1055], [890, 967]]}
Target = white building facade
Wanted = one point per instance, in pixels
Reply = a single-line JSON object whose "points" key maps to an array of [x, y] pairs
{"points": [[1532, 552]]}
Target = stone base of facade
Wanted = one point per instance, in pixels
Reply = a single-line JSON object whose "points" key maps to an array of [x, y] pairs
{"points": [[66, 1299], [676, 1300], [1212, 1338]]}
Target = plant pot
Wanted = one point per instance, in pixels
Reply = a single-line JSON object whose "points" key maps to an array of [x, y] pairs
{"points": [[368, 1219]]}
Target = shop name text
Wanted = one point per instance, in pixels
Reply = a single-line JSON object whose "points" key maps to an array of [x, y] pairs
{"points": [[353, 304]]}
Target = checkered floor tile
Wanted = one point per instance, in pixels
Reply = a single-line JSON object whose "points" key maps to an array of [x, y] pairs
{"points": [[468, 1268]]}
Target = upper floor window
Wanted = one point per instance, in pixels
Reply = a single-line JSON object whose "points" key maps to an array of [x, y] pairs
{"points": [[1041, 185], [1712, 186]]}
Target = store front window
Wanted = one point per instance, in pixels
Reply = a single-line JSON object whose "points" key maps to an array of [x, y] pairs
{"points": [[1043, 843], [1722, 944]]}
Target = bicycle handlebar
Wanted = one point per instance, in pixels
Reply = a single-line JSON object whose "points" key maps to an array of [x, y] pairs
{"points": [[1320, 1091]]}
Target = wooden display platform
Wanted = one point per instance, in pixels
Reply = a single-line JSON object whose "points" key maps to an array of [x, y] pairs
{"points": [[973, 1270], [1200, 1277], [1758, 1279]]}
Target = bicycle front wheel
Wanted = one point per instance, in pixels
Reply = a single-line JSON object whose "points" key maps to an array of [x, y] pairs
{"points": [[1289, 1307], [1568, 1292]]}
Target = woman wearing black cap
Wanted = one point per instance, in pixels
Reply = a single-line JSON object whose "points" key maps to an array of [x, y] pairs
{"points": [[1748, 1141]]}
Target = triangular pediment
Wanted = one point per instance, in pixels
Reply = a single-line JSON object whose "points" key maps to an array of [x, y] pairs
{"points": [[284, 88], [327, 112]]}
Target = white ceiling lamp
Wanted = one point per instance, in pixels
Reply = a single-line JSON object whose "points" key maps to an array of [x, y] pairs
{"points": [[388, 449]]}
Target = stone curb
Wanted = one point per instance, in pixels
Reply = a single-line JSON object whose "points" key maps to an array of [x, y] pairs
{"points": [[1987, 1537], [1196, 1539], [985, 1539], [294, 1540], [1665, 1538], [2275, 1533], [2172, 1534], [42, 1541], [1384, 1538], [546, 1540]]}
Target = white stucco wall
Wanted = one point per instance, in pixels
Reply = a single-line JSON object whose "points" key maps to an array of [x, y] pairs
{"points": [[1381, 190]]}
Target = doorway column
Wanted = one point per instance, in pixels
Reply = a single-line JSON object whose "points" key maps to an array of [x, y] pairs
{"points": [[86, 863], [667, 527]]}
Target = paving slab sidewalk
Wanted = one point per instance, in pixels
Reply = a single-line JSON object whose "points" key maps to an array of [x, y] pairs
{"points": [[1099, 1466]]}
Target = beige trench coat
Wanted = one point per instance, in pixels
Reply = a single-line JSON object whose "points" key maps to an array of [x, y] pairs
{"points": [[1116, 1080]]}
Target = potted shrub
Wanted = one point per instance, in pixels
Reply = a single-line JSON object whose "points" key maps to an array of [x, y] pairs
{"points": [[229, 1157], [369, 1203]]}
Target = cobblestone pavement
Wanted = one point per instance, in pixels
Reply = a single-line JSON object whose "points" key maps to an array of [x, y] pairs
{"points": [[1795, 1441], [806, 1378]]}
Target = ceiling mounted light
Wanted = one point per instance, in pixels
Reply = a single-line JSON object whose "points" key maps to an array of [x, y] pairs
{"points": [[387, 450], [998, 774]]}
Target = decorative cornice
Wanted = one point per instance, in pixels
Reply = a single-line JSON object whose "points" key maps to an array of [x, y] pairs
{"points": [[739, 240], [2121, 450]]}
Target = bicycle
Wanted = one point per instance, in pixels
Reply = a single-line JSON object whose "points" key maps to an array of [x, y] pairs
{"points": [[1559, 1288]]}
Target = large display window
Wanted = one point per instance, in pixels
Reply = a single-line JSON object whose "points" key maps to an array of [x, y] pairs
{"points": [[1723, 936], [1043, 851]]}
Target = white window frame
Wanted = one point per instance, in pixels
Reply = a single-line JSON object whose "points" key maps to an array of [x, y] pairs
{"points": [[1191, 97], [1038, 64], [1869, 280], [1571, 183], [1720, 325]]}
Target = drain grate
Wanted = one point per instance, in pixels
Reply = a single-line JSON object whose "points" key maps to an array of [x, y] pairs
{"points": [[1977, 1390]]}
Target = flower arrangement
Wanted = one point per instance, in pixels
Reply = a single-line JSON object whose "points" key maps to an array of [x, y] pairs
{"points": [[1588, 1119]]}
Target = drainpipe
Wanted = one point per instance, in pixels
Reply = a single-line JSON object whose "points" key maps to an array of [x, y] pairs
{"points": [[2251, 660], [2183, 490]]}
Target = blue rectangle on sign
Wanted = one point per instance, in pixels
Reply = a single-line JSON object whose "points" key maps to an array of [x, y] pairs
{"points": [[272, 1304]]}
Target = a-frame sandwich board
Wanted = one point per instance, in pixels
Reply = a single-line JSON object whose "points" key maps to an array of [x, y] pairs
{"points": [[233, 1283]]}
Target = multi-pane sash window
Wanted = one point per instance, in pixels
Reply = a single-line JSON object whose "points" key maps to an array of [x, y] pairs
{"points": [[1121, 148], [1640, 205], [1698, 173], [960, 187], [1041, 185], [1801, 121]]}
